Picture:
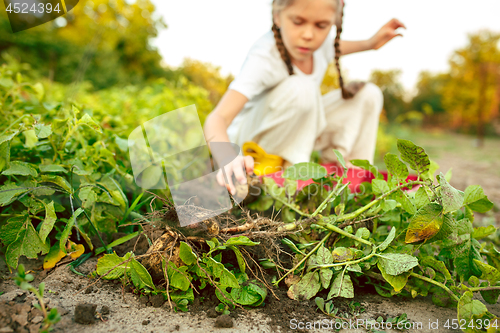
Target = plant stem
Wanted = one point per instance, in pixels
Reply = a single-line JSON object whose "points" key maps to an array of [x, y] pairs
{"points": [[305, 258], [331, 227], [12, 124], [361, 210], [324, 203], [484, 288], [439, 284], [347, 263]]}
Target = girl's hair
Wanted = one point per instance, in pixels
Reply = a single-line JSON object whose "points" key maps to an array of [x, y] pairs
{"points": [[347, 92]]}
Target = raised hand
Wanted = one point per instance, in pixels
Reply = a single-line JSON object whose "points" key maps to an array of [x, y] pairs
{"points": [[386, 33]]}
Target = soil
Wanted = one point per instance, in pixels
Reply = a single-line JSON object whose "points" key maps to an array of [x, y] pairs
{"points": [[106, 306], [114, 309]]}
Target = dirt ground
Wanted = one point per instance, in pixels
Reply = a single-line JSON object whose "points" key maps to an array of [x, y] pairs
{"points": [[122, 311]]}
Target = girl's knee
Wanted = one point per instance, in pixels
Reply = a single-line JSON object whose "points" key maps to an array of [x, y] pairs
{"points": [[373, 95]]}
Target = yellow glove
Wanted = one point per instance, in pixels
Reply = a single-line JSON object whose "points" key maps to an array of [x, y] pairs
{"points": [[264, 163]]}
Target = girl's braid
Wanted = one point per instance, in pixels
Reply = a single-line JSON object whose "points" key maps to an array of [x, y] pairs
{"points": [[282, 49], [351, 90]]}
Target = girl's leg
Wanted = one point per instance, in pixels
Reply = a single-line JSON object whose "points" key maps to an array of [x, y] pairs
{"points": [[285, 120], [351, 124]]}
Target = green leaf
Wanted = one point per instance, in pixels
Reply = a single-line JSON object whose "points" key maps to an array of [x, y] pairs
{"points": [[354, 268], [475, 198], [39, 90], [342, 254], [88, 196], [398, 282], [397, 263], [287, 214], [306, 288], [305, 171], [464, 255], [240, 240], [87, 120], [27, 243], [490, 273], [436, 265], [30, 138], [341, 287], [365, 164], [340, 158], [451, 198], [379, 186], [4, 155], [52, 168], [262, 204], [59, 181], [67, 230], [405, 202], [6, 138], [10, 230], [178, 277], [117, 242], [186, 254], [470, 309], [425, 224], [43, 131], [252, 294], [320, 303], [8, 192], [482, 232], [112, 261], [490, 296], [323, 256], [139, 275], [48, 222], [325, 276], [19, 168], [385, 244], [388, 205], [395, 167], [239, 258], [414, 155], [219, 271], [421, 198]]}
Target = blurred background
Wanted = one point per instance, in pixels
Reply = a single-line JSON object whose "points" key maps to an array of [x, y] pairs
{"points": [[125, 62]]}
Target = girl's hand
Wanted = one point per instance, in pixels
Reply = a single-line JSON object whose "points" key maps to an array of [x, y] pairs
{"points": [[386, 33], [236, 167]]}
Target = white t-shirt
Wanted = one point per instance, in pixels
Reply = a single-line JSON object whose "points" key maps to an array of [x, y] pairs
{"points": [[263, 69]]}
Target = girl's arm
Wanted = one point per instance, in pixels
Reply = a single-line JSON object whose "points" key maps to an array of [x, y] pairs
{"points": [[383, 35], [347, 47], [222, 116], [215, 129]]}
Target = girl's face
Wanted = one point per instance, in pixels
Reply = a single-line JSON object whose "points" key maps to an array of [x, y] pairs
{"points": [[305, 25]]}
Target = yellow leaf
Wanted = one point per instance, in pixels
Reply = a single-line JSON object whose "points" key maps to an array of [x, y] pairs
{"points": [[75, 250], [53, 257]]}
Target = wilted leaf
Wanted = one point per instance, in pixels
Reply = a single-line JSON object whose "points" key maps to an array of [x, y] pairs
{"points": [[425, 224], [397, 263], [240, 240], [395, 167], [112, 261], [490, 273], [452, 198], [305, 171], [414, 155], [342, 287], [53, 257], [307, 287], [398, 282]]}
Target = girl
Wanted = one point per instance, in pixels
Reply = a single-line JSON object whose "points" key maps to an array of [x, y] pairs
{"points": [[276, 101]]}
